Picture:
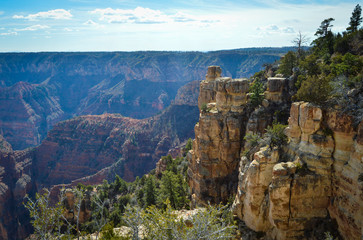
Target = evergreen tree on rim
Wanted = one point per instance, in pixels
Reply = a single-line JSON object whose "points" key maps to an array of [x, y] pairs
{"points": [[355, 19]]}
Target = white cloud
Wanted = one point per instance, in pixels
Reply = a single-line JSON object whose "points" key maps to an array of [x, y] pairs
{"points": [[182, 17], [34, 28], [90, 22], [137, 15], [57, 14], [142, 15], [272, 29], [9, 34]]}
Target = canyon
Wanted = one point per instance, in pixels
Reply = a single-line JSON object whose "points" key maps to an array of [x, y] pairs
{"points": [[88, 150], [37, 90], [300, 190]]}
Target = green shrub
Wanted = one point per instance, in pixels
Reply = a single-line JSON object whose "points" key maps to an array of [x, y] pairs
{"points": [[252, 139], [275, 136], [204, 107], [256, 90], [315, 90], [288, 62]]}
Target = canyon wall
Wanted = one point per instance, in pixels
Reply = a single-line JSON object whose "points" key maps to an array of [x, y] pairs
{"points": [[312, 185], [87, 150], [15, 182], [224, 119]]}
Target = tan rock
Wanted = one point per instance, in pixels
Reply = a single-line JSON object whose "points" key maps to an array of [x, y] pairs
{"points": [[213, 73], [276, 89], [322, 181], [214, 160]]}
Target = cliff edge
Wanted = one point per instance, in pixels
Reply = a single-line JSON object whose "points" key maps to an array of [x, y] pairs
{"points": [[311, 185]]}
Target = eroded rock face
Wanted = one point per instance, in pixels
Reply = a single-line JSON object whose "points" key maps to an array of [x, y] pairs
{"points": [[188, 94], [86, 150], [277, 89], [315, 177], [89, 149], [27, 113], [214, 159], [15, 183], [225, 118]]}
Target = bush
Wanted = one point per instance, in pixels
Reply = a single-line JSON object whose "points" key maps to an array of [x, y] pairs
{"points": [[204, 107], [275, 136], [252, 140], [207, 223], [315, 90]]}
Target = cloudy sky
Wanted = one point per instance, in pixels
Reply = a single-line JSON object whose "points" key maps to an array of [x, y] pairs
{"points": [[129, 25]]}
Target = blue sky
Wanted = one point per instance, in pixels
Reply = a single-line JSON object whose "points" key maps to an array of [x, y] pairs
{"points": [[130, 25]]}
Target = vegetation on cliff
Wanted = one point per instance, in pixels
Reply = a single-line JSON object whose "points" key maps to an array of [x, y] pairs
{"points": [[148, 207], [332, 70]]}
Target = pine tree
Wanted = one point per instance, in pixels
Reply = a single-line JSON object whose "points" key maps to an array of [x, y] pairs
{"points": [[168, 190], [256, 92], [324, 44], [324, 28], [150, 192], [181, 191], [355, 19], [288, 63]]}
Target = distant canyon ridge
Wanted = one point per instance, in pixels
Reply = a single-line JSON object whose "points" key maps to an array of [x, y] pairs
{"points": [[38, 90]]}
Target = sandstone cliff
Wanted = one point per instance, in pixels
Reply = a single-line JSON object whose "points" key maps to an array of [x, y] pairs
{"points": [[313, 180], [224, 119], [310, 186], [27, 113]]}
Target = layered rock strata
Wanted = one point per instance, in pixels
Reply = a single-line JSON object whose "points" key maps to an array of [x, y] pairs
{"points": [[225, 117], [317, 177], [214, 159], [15, 182]]}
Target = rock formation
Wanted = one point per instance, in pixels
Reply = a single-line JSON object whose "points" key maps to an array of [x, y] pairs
{"points": [[224, 119], [218, 135], [27, 113], [15, 182], [313, 180], [312, 185]]}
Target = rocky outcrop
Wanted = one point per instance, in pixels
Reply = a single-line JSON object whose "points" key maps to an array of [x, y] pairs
{"points": [[290, 193], [225, 118], [312, 185], [219, 133]]}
